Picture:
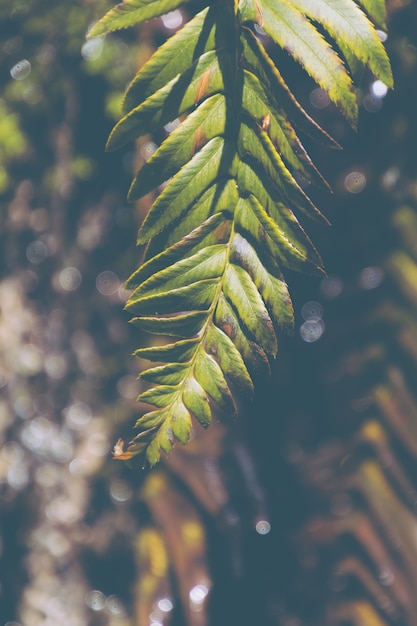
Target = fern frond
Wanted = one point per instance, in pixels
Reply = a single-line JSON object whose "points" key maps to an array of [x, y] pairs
{"points": [[224, 228]]}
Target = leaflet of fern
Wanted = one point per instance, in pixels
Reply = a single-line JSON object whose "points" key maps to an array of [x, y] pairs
{"points": [[225, 227]]}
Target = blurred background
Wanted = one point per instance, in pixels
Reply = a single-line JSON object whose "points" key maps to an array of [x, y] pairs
{"points": [[303, 511]]}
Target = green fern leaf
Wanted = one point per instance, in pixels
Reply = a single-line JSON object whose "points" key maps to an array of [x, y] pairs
{"points": [[291, 30], [257, 105], [221, 234], [353, 32], [175, 56], [202, 125], [222, 348], [130, 12], [175, 252], [376, 10], [184, 189], [179, 326], [256, 59], [254, 357], [205, 77]]}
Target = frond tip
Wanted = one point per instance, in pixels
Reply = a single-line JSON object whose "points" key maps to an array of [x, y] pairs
{"points": [[225, 227]]}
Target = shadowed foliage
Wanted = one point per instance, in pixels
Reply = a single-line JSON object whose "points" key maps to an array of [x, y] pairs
{"points": [[223, 227]]}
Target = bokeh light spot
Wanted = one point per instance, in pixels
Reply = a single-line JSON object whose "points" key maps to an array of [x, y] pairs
{"points": [[198, 594], [128, 387], [165, 605], [98, 444], [47, 475], [96, 600], [390, 178], [107, 283], [63, 511], [379, 89], [29, 359], [18, 476], [370, 277], [148, 149], [21, 70], [92, 49], [172, 20], [372, 103], [319, 98], [35, 434], [355, 182], [13, 452], [171, 125], [79, 467], [115, 606], [155, 618], [259, 30], [70, 278], [78, 414], [311, 330], [62, 447], [383, 36], [331, 286], [263, 527], [55, 365], [13, 45], [120, 490], [312, 311], [36, 252]]}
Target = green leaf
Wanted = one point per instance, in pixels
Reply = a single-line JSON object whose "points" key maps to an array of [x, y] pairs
{"points": [[196, 400], [291, 30], [177, 54], [197, 296], [153, 419], [204, 264], [258, 105], [180, 351], [176, 326], [221, 196], [205, 123], [222, 348], [164, 437], [210, 376], [376, 10], [283, 236], [160, 396], [174, 252], [253, 355], [184, 189], [224, 227], [130, 12], [346, 23], [181, 94], [256, 59], [257, 150], [170, 374], [241, 292], [272, 288], [181, 422]]}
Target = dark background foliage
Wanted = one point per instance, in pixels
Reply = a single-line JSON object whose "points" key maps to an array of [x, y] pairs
{"points": [[325, 458]]}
